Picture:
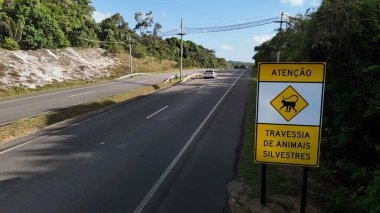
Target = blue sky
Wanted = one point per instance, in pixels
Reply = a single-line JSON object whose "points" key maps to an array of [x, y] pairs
{"points": [[232, 45]]}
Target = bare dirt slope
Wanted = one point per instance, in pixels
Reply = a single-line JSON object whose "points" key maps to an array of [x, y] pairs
{"points": [[39, 67]]}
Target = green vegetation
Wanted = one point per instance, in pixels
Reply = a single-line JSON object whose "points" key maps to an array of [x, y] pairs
{"points": [[28, 126], [10, 44], [239, 64], [35, 24], [345, 34]]}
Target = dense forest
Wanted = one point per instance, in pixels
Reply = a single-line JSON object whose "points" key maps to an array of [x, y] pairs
{"points": [[346, 35], [35, 24]]}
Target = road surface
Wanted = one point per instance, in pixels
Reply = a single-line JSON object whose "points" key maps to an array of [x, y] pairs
{"points": [[30, 105], [173, 151]]}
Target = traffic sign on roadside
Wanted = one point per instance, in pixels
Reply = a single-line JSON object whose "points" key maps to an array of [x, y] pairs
{"points": [[289, 113]]}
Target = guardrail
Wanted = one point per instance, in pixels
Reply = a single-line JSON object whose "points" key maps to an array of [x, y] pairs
{"points": [[195, 75], [131, 75], [176, 76]]}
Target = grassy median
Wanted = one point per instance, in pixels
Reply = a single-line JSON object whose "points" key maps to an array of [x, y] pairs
{"points": [[26, 126]]}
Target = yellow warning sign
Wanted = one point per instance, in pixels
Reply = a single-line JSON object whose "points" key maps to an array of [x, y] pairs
{"points": [[295, 91], [287, 144], [292, 72], [289, 103]]}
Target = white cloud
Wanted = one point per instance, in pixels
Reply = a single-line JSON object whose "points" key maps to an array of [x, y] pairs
{"points": [[226, 47], [315, 3], [163, 13], [261, 39], [98, 16], [293, 3]]}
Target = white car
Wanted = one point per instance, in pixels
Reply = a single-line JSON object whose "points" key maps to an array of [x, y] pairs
{"points": [[210, 74]]}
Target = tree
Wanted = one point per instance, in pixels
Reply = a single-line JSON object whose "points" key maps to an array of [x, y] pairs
{"points": [[345, 34], [143, 21], [156, 29], [12, 28], [114, 31]]}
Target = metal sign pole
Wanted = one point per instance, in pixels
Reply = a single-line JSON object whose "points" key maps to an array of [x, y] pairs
{"points": [[263, 183], [304, 189]]}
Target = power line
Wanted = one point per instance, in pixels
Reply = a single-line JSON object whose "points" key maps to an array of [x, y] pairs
{"points": [[194, 30]]}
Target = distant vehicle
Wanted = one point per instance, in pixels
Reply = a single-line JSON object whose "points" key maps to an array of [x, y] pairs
{"points": [[240, 67], [210, 74]]}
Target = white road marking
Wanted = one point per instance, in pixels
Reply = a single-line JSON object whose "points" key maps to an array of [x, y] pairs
{"points": [[161, 179], [20, 145], [64, 128], [41, 113], [81, 94], [76, 124], [156, 112], [53, 93], [81, 122], [219, 84], [30, 116], [102, 142], [202, 86]]}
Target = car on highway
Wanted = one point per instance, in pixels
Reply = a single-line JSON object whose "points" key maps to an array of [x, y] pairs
{"points": [[210, 74]]}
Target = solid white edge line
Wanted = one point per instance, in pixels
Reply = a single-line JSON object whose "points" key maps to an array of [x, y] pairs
{"points": [[81, 94], [156, 112], [75, 124], [53, 93], [161, 179], [64, 128], [20, 145]]}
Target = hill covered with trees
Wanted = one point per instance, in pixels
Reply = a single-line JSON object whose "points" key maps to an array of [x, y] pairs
{"points": [[346, 35], [51, 24]]}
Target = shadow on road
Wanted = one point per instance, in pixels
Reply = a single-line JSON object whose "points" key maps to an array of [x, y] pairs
{"points": [[97, 164]]}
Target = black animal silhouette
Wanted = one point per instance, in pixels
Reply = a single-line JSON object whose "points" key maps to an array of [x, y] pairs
{"points": [[289, 104]]}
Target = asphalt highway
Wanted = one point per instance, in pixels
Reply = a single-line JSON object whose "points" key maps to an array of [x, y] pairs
{"points": [[173, 151], [30, 105]]}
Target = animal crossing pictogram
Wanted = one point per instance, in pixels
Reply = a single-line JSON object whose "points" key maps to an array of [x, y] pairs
{"points": [[289, 103]]}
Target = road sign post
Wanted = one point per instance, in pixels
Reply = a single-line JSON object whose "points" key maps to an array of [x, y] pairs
{"points": [[289, 115]]}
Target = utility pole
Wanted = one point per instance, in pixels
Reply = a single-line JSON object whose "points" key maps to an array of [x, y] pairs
{"points": [[280, 31], [130, 54], [264, 166], [181, 34], [282, 16]]}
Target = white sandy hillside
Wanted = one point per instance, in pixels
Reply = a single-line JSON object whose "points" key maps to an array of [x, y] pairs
{"points": [[40, 67]]}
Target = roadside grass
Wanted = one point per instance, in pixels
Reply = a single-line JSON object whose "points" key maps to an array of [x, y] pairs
{"points": [[283, 182], [26, 126]]}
